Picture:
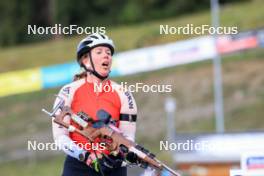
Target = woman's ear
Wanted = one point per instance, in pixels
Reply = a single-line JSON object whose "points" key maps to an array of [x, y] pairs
{"points": [[86, 62], [84, 59]]}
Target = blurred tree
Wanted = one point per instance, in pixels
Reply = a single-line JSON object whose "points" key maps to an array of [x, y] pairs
{"points": [[131, 12], [17, 15], [14, 17], [42, 12]]}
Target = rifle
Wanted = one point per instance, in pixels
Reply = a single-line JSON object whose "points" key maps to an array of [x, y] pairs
{"points": [[105, 129]]}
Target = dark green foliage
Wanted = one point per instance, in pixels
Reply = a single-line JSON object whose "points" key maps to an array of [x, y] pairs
{"points": [[16, 15]]}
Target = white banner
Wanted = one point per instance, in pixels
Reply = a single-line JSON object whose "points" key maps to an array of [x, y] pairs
{"points": [[167, 55]]}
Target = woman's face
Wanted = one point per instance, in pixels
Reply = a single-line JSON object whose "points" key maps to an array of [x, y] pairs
{"points": [[102, 60]]}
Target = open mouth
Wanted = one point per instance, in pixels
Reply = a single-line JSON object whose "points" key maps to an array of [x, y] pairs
{"points": [[105, 65]]}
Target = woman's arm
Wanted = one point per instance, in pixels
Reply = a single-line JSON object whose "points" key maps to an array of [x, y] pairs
{"points": [[61, 134], [128, 115]]}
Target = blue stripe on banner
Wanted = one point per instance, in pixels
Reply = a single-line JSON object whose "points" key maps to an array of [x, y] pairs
{"points": [[114, 73], [58, 75]]}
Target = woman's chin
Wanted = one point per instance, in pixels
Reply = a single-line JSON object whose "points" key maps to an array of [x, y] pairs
{"points": [[104, 73]]}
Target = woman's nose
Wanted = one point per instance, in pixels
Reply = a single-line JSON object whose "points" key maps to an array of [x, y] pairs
{"points": [[106, 55]]}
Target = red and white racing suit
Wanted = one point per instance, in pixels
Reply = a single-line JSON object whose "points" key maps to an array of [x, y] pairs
{"points": [[85, 96]]}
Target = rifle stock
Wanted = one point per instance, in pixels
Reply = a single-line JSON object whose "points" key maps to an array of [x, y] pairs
{"points": [[118, 139]]}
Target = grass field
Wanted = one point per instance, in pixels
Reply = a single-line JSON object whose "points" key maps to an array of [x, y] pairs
{"points": [[243, 80], [50, 167]]}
